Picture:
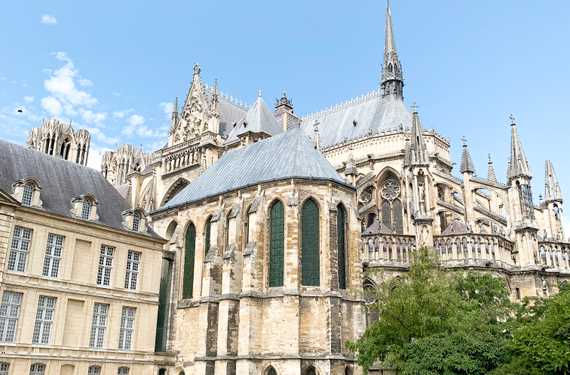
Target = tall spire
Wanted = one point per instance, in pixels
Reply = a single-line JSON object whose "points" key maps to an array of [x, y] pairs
{"points": [[518, 164], [552, 190], [491, 175], [392, 82], [417, 150], [467, 165]]}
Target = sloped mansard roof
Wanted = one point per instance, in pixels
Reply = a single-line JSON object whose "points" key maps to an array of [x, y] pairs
{"points": [[259, 119], [284, 156], [60, 182], [370, 114]]}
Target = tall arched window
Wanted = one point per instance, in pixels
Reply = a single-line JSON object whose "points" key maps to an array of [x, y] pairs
{"points": [[276, 244], [189, 256], [391, 205], [94, 370], [311, 371], [207, 235], [271, 371], [310, 262], [341, 243]]}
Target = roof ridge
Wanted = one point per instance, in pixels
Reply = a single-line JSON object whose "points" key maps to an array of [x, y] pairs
{"points": [[228, 98], [343, 105]]}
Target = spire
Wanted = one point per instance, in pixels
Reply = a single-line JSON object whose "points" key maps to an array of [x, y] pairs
{"points": [[467, 165], [175, 109], [417, 150], [392, 82], [518, 164], [215, 99], [552, 190], [491, 176]]}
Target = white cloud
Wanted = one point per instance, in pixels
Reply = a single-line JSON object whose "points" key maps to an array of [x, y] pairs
{"points": [[135, 120], [91, 117], [61, 85], [123, 113], [102, 137], [84, 82], [48, 19], [29, 99], [51, 105], [167, 108]]}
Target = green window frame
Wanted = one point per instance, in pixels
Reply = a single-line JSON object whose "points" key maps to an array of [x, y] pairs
{"points": [[310, 257], [276, 244], [189, 259], [341, 245]]}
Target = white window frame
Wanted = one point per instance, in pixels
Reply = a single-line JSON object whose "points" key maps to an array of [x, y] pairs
{"points": [[94, 370], [9, 315], [123, 370], [54, 252], [38, 368], [127, 327], [27, 195], [133, 269], [44, 319], [19, 248], [86, 209], [99, 325], [105, 265]]}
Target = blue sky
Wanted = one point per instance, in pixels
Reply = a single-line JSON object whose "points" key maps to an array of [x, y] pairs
{"points": [[113, 66]]}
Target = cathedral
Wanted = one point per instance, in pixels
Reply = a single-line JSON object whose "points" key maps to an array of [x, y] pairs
{"points": [[261, 234]]}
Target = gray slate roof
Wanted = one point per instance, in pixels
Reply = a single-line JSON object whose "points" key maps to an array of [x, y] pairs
{"points": [[60, 182], [259, 119], [372, 114], [287, 155]]}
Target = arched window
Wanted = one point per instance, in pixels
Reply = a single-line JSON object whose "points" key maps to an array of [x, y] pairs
{"points": [[207, 235], [4, 368], [162, 371], [271, 371], [37, 369], [276, 244], [370, 219], [341, 243], [391, 205], [94, 370], [189, 257], [310, 262], [310, 371], [123, 371]]}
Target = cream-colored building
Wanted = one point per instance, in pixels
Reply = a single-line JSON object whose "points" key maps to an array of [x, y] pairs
{"points": [[277, 228], [79, 271]]}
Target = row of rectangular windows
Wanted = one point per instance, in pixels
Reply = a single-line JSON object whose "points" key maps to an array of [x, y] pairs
{"points": [[40, 369], [20, 247], [10, 312]]}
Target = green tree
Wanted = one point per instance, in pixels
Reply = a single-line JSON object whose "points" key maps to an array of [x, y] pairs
{"points": [[541, 338], [436, 322]]}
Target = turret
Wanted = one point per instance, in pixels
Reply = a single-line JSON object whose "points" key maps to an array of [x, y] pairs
{"points": [[552, 203]]}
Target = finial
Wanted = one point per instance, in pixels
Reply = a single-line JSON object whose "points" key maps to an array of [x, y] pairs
{"points": [[259, 93], [197, 68], [215, 85], [414, 107], [512, 119], [175, 104], [316, 126], [464, 141], [489, 157]]}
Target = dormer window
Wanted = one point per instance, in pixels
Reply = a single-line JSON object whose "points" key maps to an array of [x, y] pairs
{"points": [[84, 207], [135, 220], [86, 210], [27, 191]]}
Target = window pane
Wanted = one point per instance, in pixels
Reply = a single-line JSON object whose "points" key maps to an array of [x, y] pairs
{"points": [[276, 245], [105, 265], [44, 320], [9, 314], [19, 249], [127, 327], [54, 250], [27, 195], [310, 262], [189, 258], [98, 325], [341, 243], [132, 272]]}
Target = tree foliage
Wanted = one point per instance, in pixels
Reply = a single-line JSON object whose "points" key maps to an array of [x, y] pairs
{"points": [[436, 322]]}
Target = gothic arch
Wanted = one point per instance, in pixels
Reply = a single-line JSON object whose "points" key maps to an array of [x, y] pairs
{"points": [[310, 242], [171, 229], [189, 260], [270, 370], [174, 189], [276, 248], [389, 198], [342, 245]]}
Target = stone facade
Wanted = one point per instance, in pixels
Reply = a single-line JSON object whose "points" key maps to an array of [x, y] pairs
{"points": [[61, 140]]}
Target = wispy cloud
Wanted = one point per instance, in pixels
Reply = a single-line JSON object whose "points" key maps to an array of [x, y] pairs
{"points": [[48, 19], [29, 99]]}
